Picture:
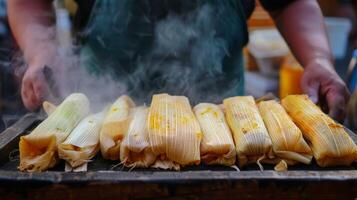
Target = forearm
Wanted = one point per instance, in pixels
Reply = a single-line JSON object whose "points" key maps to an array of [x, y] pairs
{"points": [[30, 22], [301, 24]]}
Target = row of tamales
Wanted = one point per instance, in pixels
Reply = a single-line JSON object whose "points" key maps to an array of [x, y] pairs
{"points": [[330, 144], [173, 135], [38, 150], [169, 134], [75, 139]]}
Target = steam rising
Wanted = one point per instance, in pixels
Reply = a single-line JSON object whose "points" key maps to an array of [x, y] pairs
{"points": [[185, 58], [71, 77]]}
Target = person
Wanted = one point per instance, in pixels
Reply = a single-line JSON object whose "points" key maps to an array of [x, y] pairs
{"points": [[198, 41]]}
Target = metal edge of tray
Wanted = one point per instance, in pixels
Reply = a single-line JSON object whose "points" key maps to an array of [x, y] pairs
{"points": [[176, 177], [9, 138]]}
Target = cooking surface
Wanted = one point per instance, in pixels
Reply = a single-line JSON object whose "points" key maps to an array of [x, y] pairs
{"points": [[106, 170]]}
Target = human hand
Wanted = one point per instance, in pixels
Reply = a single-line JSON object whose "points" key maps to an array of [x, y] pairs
{"points": [[323, 85], [34, 86]]}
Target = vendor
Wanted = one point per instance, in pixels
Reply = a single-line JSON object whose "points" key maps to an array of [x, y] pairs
{"points": [[176, 45]]}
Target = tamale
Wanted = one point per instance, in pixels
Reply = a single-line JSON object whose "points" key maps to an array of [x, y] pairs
{"points": [[217, 146], [174, 132], [287, 139], [330, 143], [135, 150], [38, 150], [251, 138], [115, 126], [83, 142]]}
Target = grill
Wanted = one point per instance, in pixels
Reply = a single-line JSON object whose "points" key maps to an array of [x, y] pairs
{"points": [[103, 181]]}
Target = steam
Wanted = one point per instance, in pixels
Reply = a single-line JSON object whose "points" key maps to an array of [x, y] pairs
{"points": [[185, 58], [71, 77]]}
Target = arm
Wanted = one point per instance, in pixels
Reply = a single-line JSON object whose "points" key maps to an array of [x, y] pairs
{"points": [[301, 24], [30, 21]]}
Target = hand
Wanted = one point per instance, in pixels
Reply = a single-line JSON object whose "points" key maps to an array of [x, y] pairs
{"points": [[321, 82], [34, 86]]}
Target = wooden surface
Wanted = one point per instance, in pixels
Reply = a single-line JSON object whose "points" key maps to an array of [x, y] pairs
{"points": [[249, 188]]}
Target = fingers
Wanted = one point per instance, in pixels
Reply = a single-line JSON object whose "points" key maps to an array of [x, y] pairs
{"points": [[311, 88], [28, 96], [336, 106], [323, 85], [33, 90], [337, 102], [40, 87]]}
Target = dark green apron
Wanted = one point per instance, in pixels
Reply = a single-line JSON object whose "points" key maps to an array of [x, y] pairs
{"points": [[192, 48]]}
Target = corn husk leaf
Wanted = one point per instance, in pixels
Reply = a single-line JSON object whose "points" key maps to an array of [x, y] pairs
{"points": [[282, 166], [287, 139], [115, 126], [174, 132], [48, 107], [135, 150], [217, 146], [166, 164], [330, 143], [38, 150], [81, 168], [251, 138], [83, 142]]}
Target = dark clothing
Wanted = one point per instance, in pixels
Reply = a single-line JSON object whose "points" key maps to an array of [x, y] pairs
{"points": [[83, 13], [347, 1], [85, 7], [186, 47], [183, 47], [273, 5]]}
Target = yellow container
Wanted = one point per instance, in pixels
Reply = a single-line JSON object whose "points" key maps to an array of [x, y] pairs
{"points": [[290, 77]]}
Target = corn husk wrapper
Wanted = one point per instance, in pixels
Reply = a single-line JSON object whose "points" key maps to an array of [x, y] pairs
{"points": [[38, 150], [83, 142], [282, 166], [251, 138], [164, 163], [48, 107], [330, 143], [135, 150], [174, 132], [217, 146], [287, 139], [115, 126]]}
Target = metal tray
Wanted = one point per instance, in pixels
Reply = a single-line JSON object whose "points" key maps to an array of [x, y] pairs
{"points": [[199, 181]]}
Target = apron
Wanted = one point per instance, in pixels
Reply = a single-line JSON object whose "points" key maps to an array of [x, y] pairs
{"points": [[191, 47]]}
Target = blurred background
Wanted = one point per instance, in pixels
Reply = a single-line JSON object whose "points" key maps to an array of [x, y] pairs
{"points": [[270, 67], [269, 63]]}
